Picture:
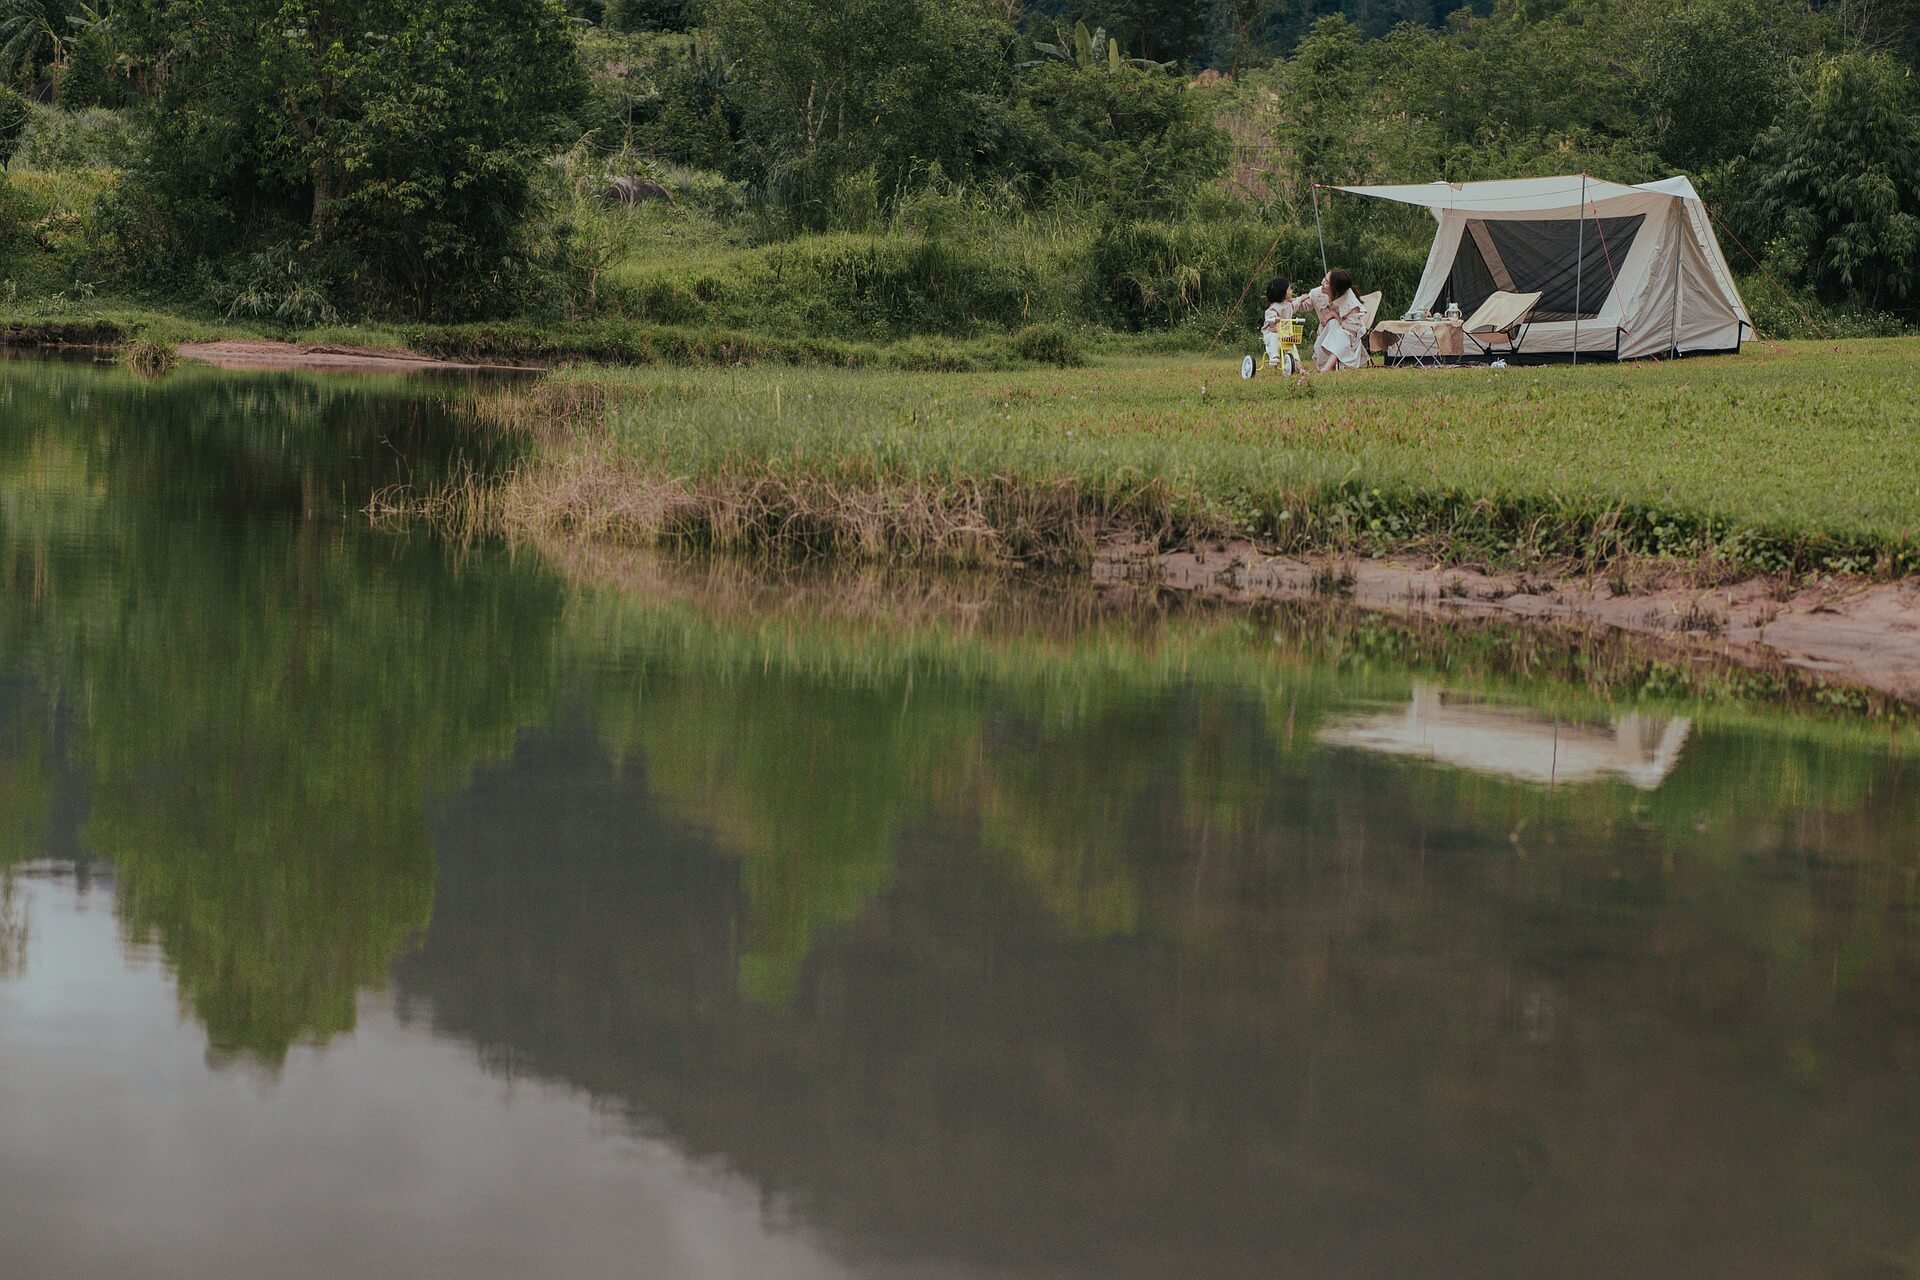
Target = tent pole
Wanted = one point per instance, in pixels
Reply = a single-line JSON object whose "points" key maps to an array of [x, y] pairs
{"points": [[1680, 211], [1579, 265], [1314, 191]]}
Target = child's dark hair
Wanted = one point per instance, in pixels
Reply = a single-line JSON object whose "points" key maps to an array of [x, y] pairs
{"points": [[1338, 283], [1277, 289]]}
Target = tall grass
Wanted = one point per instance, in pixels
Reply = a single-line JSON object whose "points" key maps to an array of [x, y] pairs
{"points": [[1790, 461]]}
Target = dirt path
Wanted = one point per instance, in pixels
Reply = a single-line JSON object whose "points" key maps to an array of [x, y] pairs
{"points": [[263, 354], [1858, 633]]}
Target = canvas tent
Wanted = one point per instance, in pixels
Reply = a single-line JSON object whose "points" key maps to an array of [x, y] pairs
{"points": [[1651, 279]]}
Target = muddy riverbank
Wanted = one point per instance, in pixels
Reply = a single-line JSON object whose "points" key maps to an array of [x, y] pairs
{"points": [[1850, 631]]}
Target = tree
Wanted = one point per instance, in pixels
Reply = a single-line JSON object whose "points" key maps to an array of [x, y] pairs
{"points": [[649, 15], [838, 87], [1836, 184], [1133, 138], [1711, 75], [395, 143], [34, 34], [1163, 30]]}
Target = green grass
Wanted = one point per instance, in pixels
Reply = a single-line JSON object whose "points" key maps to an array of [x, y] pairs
{"points": [[1793, 457]]}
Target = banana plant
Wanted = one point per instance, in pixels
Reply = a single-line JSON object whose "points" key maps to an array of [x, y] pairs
{"points": [[1090, 51], [36, 33]]}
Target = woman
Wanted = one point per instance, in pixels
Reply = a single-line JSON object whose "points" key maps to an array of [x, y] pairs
{"points": [[1342, 342]]}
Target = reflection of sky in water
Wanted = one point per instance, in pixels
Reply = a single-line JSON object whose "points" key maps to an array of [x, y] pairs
{"points": [[1517, 742], [388, 1153]]}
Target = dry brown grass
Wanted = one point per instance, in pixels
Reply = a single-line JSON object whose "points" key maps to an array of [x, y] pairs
{"points": [[150, 359], [551, 409], [594, 492]]}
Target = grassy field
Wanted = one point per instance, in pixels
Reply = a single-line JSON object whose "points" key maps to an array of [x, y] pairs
{"points": [[1794, 457]]}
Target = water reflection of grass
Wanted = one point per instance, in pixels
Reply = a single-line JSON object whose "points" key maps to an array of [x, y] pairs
{"points": [[1062, 644]]}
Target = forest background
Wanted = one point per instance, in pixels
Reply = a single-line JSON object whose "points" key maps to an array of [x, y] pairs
{"points": [[927, 183]]}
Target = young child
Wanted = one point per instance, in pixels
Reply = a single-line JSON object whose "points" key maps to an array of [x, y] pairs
{"points": [[1280, 308]]}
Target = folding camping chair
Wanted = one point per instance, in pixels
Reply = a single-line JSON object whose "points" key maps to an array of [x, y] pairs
{"points": [[1502, 319], [1369, 312]]}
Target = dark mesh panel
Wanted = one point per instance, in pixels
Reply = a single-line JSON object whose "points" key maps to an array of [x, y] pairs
{"points": [[1541, 255], [1469, 283]]}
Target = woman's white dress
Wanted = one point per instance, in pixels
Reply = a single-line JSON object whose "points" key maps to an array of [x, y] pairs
{"points": [[1342, 342]]}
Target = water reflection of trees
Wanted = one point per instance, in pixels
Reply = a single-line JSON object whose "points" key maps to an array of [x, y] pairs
{"points": [[809, 751], [261, 706], [1341, 1022], [1109, 969]]}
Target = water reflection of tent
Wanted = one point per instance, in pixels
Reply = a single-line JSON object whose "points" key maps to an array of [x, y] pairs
{"points": [[1518, 742]]}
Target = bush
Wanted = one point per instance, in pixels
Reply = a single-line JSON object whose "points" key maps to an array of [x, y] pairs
{"points": [[283, 283], [693, 117], [1048, 344], [1146, 275], [14, 114], [867, 287], [931, 355], [62, 141], [93, 75], [1783, 315]]}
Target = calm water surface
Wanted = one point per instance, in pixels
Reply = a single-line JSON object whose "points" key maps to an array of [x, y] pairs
{"points": [[370, 907]]}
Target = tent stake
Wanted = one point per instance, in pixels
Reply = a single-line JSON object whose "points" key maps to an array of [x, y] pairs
{"points": [[1314, 191], [1579, 265]]}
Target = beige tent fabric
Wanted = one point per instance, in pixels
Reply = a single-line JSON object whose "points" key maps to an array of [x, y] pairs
{"points": [[1490, 254], [1508, 197], [1671, 288]]}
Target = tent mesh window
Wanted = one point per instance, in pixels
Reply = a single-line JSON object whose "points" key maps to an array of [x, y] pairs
{"points": [[1522, 256]]}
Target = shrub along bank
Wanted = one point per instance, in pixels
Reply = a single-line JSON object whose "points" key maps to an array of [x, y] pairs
{"points": [[1786, 459]]}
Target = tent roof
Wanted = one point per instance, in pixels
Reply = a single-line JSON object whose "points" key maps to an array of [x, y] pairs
{"points": [[1519, 195]]}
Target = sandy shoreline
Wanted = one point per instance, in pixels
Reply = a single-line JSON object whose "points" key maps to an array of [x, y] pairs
{"points": [[1851, 632], [258, 354]]}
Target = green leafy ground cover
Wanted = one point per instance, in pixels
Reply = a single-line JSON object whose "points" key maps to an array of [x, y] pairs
{"points": [[1790, 457]]}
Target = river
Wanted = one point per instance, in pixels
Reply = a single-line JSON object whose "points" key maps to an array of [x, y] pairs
{"points": [[376, 906]]}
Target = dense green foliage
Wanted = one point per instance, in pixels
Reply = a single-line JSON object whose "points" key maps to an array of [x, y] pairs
{"points": [[374, 154], [1836, 185], [837, 92], [14, 113], [877, 171]]}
